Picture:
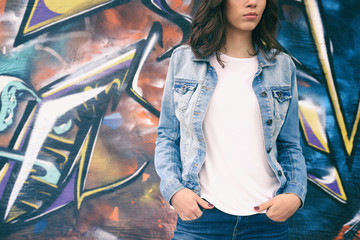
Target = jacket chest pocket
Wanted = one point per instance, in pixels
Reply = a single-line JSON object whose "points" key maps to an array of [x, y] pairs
{"points": [[282, 96], [183, 92]]}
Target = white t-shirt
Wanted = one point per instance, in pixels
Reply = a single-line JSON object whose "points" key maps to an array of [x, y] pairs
{"points": [[236, 175]]}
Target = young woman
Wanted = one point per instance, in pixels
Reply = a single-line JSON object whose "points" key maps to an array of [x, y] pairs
{"points": [[228, 151]]}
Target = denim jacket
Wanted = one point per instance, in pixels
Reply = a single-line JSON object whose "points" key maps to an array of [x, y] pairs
{"points": [[180, 145]]}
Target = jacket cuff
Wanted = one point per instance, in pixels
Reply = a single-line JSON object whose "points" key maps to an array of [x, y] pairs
{"points": [[298, 189], [171, 188]]}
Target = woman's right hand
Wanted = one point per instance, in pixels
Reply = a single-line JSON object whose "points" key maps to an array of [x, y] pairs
{"points": [[186, 204]]}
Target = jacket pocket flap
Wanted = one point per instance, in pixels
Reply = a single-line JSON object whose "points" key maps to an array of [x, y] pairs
{"points": [[184, 87], [281, 94]]}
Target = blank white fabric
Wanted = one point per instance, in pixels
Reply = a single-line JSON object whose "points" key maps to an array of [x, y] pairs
{"points": [[236, 175]]}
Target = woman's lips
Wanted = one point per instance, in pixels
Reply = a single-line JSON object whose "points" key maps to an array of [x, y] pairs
{"points": [[250, 16]]}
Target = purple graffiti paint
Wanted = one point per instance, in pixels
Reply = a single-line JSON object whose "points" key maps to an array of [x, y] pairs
{"points": [[66, 196], [83, 83], [158, 2], [41, 14], [6, 178], [310, 134], [334, 186]]}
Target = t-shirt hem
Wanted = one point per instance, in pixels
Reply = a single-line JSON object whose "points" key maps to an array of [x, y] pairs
{"points": [[227, 210]]}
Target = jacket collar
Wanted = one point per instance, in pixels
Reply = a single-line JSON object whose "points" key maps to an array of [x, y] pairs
{"points": [[262, 58]]}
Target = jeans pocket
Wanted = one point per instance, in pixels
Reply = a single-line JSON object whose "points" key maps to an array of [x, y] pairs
{"points": [[273, 221], [203, 211]]}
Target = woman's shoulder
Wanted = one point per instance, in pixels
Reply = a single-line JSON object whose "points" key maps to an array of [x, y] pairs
{"points": [[285, 59], [183, 48], [182, 54], [286, 56], [186, 65]]}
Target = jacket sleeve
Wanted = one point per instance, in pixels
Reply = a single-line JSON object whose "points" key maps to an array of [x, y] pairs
{"points": [[167, 151], [290, 154]]}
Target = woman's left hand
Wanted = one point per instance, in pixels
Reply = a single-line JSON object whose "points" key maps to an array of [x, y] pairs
{"points": [[281, 207]]}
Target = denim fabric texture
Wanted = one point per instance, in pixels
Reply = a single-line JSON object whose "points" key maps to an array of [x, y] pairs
{"points": [[180, 145], [214, 224]]}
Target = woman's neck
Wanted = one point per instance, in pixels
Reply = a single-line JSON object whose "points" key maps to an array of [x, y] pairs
{"points": [[238, 44]]}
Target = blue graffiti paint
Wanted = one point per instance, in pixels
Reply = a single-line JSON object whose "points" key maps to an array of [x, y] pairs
{"points": [[340, 21], [9, 99], [40, 226], [114, 120], [52, 174], [17, 63], [63, 128]]}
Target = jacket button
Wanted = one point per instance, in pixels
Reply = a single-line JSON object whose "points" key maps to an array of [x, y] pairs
{"points": [[280, 95], [269, 122], [280, 173], [263, 94]]}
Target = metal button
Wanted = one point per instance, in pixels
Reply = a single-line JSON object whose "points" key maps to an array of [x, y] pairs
{"points": [[280, 95], [269, 122], [263, 94], [280, 173]]}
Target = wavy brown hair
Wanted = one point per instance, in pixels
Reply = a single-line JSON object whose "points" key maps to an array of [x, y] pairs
{"points": [[208, 29]]}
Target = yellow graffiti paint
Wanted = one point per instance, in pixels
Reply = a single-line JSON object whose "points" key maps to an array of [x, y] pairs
{"points": [[60, 153], [40, 180], [45, 193], [136, 94], [149, 196], [71, 6], [115, 81], [61, 139], [30, 204], [15, 212], [3, 171], [318, 34], [79, 196], [312, 118], [65, 8], [103, 67]]}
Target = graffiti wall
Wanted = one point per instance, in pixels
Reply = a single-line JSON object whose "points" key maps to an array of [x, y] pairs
{"points": [[80, 92]]}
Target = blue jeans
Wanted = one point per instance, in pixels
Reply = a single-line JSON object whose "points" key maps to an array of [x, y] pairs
{"points": [[215, 224]]}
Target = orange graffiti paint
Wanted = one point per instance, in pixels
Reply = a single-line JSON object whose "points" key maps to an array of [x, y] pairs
{"points": [[2, 6], [115, 215], [357, 236], [175, 3], [43, 71], [145, 177], [111, 16], [340, 236], [304, 84]]}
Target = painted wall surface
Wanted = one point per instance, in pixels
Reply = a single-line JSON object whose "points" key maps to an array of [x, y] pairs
{"points": [[80, 92]]}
